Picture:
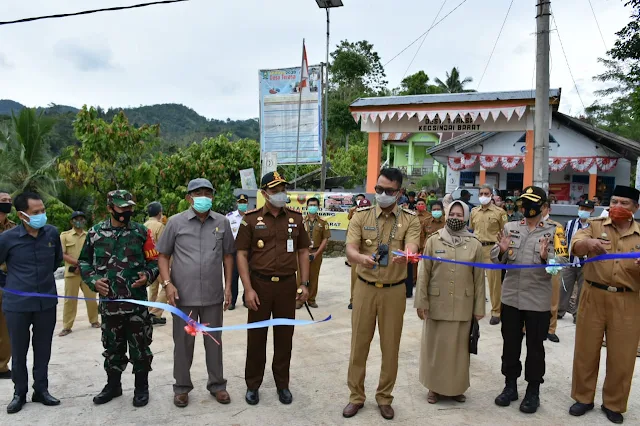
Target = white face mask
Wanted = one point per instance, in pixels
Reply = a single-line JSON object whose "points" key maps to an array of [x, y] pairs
{"points": [[278, 200], [385, 200], [484, 200]]}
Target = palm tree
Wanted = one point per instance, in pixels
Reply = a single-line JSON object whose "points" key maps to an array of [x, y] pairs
{"points": [[452, 84], [25, 163]]}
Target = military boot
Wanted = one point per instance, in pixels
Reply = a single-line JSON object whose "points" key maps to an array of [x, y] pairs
{"points": [[509, 393], [141, 391], [112, 390], [531, 400]]}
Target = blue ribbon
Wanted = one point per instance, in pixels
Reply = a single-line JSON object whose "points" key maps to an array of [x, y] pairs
{"points": [[200, 327], [599, 258]]}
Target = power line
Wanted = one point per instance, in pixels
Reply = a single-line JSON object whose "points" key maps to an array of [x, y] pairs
{"points": [[598, 25], [495, 44], [425, 37], [424, 33], [567, 60], [87, 12]]}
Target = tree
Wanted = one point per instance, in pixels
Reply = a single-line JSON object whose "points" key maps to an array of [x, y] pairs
{"points": [[453, 84], [357, 69], [417, 84], [25, 162]]}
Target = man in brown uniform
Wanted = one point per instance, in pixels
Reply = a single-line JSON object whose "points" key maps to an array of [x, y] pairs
{"points": [[379, 295], [354, 276], [609, 306], [319, 235], [271, 244], [156, 292], [561, 256], [5, 345], [486, 221]]}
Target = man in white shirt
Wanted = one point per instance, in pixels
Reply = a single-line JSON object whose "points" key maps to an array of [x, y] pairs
{"points": [[235, 219], [574, 274]]}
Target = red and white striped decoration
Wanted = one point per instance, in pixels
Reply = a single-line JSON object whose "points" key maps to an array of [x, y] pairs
{"points": [[606, 164], [557, 164], [455, 163], [509, 162], [468, 160], [582, 164], [489, 161]]}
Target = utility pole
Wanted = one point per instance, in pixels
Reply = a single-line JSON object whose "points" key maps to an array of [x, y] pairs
{"points": [[542, 115], [323, 176]]}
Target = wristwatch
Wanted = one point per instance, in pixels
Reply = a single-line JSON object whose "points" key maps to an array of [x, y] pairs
{"points": [[305, 283], [165, 283]]}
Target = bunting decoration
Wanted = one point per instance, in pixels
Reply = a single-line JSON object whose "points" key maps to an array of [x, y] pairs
{"points": [[489, 161], [606, 164], [582, 164], [455, 163], [509, 162], [557, 164], [468, 160]]}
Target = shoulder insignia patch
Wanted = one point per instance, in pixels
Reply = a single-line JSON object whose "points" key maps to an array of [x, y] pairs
{"points": [[411, 212], [293, 210], [253, 211], [362, 209], [244, 223]]}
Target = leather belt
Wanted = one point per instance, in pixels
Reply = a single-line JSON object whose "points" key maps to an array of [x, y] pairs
{"points": [[487, 243], [380, 285], [610, 288], [272, 278]]}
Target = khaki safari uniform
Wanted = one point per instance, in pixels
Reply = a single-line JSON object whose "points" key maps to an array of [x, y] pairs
{"points": [[354, 274], [72, 243], [156, 292], [318, 231], [605, 312], [379, 295], [562, 255], [272, 244], [5, 344], [486, 223]]}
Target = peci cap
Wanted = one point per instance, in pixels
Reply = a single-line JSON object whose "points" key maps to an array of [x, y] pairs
{"points": [[242, 198], [533, 194], [626, 192], [587, 203], [364, 203], [199, 183], [271, 180], [77, 214], [120, 198]]}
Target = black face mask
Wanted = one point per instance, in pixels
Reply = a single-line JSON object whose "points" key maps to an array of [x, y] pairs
{"points": [[531, 209], [123, 217], [5, 208]]}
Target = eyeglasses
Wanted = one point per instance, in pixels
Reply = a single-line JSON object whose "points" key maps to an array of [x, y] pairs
{"points": [[389, 191]]}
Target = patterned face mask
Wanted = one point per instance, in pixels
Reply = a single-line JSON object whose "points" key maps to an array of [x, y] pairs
{"points": [[455, 224]]}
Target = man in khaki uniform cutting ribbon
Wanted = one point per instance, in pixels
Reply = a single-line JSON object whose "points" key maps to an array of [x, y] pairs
{"points": [[487, 221], [379, 294]]}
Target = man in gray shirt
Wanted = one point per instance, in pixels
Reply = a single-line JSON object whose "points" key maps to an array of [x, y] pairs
{"points": [[200, 242]]}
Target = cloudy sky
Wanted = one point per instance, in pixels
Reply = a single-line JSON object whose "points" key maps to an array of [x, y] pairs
{"points": [[206, 53]]}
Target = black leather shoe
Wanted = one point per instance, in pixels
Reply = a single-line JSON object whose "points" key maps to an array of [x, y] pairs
{"points": [[232, 307], [252, 397], [107, 394], [45, 398], [494, 321], [579, 409], [553, 337], [530, 403], [16, 404], [158, 320], [350, 306], [140, 397], [612, 415], [285, 396], [5, 374], [508, 395]]}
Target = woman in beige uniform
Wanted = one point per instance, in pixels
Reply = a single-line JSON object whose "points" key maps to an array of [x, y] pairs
{"points": [[448, 295]]}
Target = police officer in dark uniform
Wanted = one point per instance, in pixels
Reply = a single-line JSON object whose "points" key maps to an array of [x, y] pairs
{"points": [[271, 243]]}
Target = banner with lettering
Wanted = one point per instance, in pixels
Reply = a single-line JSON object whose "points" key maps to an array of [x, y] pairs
{"points": [[334, 206]]}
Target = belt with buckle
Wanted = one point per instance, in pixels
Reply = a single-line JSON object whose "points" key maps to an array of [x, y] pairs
{"points": [[272, 278], [610, 288], [380, 285], [487, 243]]}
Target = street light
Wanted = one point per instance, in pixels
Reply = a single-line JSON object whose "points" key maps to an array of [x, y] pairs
{"points": [[326, 4]]}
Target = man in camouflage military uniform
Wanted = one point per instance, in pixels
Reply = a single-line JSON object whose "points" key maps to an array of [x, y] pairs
{"points": [[118, 261]]}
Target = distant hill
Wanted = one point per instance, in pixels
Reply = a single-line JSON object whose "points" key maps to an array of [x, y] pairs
{"points": [[179, 125]]}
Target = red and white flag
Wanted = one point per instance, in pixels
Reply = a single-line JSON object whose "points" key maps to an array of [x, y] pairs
{"points": [[304, 75]]}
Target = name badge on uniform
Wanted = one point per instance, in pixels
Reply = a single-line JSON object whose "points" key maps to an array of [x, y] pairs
{"points": [[440, 251], [369, 228], [289, 245], [261, 226]]}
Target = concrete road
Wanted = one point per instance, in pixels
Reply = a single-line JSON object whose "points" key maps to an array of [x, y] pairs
{"points": [[318, 378]]}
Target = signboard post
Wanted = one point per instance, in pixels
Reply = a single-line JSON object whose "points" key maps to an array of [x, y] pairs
{"points": [[248, 179]]}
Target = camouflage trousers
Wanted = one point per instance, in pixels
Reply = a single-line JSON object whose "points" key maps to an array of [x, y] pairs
{"points": [[133, 330]]}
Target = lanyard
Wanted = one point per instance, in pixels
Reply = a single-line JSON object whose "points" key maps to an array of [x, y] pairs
{"points": [[391, 234]]}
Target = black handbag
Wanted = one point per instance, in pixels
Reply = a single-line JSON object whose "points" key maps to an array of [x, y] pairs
{"points": [[474, 336]]}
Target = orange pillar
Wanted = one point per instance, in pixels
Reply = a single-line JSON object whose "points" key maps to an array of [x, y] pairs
{"points": [[374, 160], [528, 160], [593, 180], [483, 176]]}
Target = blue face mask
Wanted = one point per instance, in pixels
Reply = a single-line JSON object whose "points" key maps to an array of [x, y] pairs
{"points": [[36, 221], [583, 214], [437, 214], [202, 204], [242, 207], [313, 209]]}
